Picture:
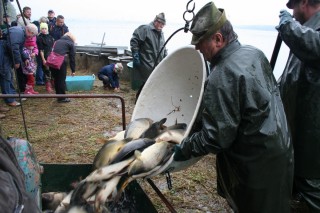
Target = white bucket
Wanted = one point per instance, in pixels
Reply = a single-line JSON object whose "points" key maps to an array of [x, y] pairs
{"points": [[174, 91]]}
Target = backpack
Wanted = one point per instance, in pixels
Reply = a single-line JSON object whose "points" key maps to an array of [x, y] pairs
{"points": [[13, 194]]}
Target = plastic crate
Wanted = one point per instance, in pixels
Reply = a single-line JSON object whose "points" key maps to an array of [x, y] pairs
{"points": [[78, 83]]}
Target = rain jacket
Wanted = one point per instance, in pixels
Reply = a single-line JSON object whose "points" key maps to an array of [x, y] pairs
{"points": [[300, 92], [147, 41], [112, 76], [17, 38], [65, 46], [244, 123], [58, 31]]}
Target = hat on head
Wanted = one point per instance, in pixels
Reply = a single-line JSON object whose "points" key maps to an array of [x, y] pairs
{"points": [[291, 3], [160, 18], [207, 21], [43, 25], [50, 11], [118, 67]]}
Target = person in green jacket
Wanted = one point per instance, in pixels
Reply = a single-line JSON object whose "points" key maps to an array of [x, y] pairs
{"points": [[300, 92], [146, 42], [242, 120]]}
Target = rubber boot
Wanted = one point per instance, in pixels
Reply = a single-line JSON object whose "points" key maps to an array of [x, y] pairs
{"points": [[28, 90], [52, 83], [33, 92], [48, 87]]}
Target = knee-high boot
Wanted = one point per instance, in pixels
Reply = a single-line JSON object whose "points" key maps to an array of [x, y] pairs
{"points": [[49, 87]]}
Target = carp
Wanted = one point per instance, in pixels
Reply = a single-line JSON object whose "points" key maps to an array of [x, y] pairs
{"points": [[136, 127], [108, 151], [107, 172], [155, 129], [128, 149], [150, 157]]}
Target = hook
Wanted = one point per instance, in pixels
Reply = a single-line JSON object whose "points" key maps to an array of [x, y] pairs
{"points": [[190, 10]]}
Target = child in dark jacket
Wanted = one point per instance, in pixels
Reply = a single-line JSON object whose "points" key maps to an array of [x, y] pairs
{"points": [[45, 44], [109, 76]]}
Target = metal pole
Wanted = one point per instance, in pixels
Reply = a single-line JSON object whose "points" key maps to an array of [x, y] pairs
{"points": [[163, 198], [276, 51], [101, 44]]}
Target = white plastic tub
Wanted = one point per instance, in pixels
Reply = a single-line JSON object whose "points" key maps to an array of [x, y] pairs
{"points": [[174, 91]]}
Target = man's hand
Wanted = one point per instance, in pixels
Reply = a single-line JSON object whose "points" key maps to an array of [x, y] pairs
{"points": [[178, 155], [285, 17]]}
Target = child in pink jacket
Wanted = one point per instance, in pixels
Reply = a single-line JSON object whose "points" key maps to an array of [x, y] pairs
{"points": [[31, 49]]}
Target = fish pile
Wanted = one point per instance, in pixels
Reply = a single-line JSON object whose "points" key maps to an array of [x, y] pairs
{"points": [[143, 150]]}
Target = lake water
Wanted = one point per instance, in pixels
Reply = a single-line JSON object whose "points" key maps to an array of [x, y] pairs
{"points": [[119, 34]]}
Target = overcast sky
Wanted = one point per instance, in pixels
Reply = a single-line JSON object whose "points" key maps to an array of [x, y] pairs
{"points": [[239, 12]]}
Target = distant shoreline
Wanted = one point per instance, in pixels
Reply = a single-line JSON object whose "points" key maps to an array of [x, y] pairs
{"points": [[256, 27]]}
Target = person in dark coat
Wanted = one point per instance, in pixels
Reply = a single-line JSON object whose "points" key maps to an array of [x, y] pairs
{"points": [[146, 43], [15, 46], [58, 29], [45, 43], [109, 76], [51, 17], [242, 120], [300, 92], [63, 46]]}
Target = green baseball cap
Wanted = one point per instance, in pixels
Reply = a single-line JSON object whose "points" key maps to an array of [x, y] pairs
{"points": [[207, 21]]}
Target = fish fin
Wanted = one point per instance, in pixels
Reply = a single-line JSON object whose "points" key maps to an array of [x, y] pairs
{"points": [[137, 154], [102, 140], [161, 124], [123, 183]]}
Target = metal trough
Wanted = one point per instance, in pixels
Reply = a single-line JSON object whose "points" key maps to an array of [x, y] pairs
{"points": [[58, 177]]}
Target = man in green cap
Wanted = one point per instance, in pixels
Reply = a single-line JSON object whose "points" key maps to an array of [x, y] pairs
{"points": [[242, 120], [300, 92]]}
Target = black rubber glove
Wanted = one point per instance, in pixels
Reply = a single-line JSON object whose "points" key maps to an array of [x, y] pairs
{"points": [[136, 59], [178, 155]]}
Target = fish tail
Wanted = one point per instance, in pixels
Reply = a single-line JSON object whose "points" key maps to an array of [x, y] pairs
{"points": [[123, 183]]}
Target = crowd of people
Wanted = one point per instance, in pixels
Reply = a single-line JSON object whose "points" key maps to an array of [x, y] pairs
{"points": [[38, 38], [30, 44]]}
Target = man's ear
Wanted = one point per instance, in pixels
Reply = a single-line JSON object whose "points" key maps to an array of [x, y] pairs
{"points": [[218, 38]]}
